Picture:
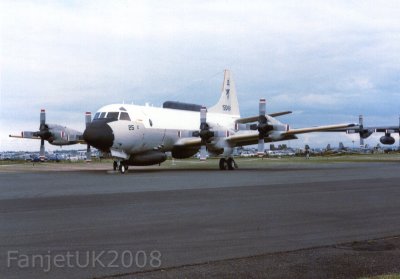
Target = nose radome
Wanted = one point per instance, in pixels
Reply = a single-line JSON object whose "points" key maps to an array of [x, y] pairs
{"points": [[99, 134]]}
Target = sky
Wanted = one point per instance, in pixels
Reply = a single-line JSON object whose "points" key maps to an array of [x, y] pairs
{"points": [[327, 61]]}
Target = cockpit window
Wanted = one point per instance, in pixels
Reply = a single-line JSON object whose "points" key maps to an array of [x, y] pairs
{"points": [[96, 116], [112, 115], [124, 116], [102, 115]]}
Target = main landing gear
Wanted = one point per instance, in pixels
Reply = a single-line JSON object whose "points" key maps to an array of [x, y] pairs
{"points": [[121, 166], [227, 164]]}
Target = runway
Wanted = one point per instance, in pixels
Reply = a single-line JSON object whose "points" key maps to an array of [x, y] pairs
{"points": [[160, 217]]}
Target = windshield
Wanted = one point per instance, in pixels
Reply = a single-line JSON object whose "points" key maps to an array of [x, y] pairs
{"points": [[124, 116], [113, 115]]}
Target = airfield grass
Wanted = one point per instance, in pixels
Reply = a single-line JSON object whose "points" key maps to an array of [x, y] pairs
{"points": [[254, 162], [212, 163]]}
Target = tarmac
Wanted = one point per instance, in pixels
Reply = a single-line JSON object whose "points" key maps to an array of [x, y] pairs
{"points": [[187, 217]]}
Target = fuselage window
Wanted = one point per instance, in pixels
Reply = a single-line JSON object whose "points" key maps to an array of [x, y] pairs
{"points": [[102, 115], [151, 123], [96, 115], [112, 115], [124, 116]]}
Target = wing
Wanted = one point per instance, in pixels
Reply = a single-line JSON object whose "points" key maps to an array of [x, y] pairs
{"points": [[356, 129], [318, 129], [72, 139], [251, 137], [25, 135], [387, 129]]}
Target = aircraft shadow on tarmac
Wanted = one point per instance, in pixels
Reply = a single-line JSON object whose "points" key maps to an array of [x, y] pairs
{"points": [[133, 171]]}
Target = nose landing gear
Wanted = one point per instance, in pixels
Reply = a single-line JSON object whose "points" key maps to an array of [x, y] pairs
{"points": [[121, 166]]}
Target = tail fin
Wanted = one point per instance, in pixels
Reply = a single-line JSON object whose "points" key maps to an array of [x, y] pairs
{"points": [[228, 102]]}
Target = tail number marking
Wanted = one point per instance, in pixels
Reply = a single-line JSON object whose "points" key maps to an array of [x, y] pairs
{"points": [[226, 108]]}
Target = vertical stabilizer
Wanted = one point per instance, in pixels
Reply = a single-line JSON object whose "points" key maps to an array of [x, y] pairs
{"points": [[228, 102]]}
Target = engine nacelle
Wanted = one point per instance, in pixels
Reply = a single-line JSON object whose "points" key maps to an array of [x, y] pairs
{"points": [[276, 136], [182, 153], [387, 140], [365, 133], [147, 158], [60, 135]]}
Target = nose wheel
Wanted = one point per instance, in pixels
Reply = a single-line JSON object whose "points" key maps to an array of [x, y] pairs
{"points": [[227, 164], [122, 167]]}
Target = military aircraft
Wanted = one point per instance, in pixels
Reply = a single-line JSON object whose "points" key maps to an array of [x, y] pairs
{"points": [[55, 134], [141, 135]]}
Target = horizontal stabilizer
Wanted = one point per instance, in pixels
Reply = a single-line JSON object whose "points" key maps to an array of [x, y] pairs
{"points": [[280, 113], [255, 118]]}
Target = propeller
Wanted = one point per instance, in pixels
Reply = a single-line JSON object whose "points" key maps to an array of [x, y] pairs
{"points": [[88, 120], [54, 134], [42, 130], [361, 127], [262, 121], [42, 154], [262, 127], [204, 133], [364, 133], [43, 133]]}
